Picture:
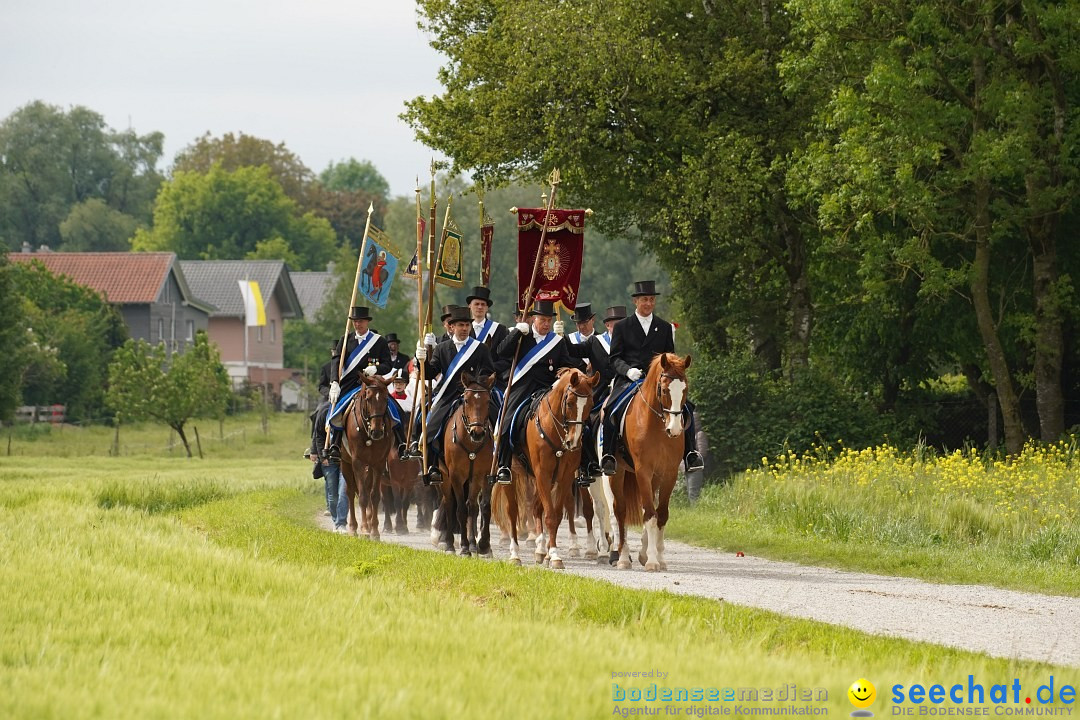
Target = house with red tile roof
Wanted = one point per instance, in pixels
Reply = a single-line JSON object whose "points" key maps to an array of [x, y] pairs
{"points": [[149, 289]]}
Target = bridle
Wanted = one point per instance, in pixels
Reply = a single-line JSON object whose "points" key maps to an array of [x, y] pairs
{"points": [[471, 426], [661, 411], [564, 426], [368, 420]]}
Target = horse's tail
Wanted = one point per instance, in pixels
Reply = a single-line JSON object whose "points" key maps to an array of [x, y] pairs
{"points": [[635, 515], [500, 504]]}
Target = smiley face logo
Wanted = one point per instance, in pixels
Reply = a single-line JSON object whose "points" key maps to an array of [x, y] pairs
{"points": [[862, 694]]}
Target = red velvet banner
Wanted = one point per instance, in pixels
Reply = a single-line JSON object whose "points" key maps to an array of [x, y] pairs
{"points": [[559, 274], [486, 234]]}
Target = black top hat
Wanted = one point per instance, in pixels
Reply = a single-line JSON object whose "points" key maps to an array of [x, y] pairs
{"points": [[644, 287], [543, 307], [398, 375], [615, 312], [583, 312], [392, 337], [446, 310], [479, 292], [360, 312], [460, 314]]}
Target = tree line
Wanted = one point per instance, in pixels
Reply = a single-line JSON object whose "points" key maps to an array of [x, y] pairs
{"points": [[878, 195]]}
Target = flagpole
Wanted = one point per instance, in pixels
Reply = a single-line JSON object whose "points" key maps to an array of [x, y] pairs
{"points": [[425, 316], [554, 179], [352, 302], [480, 202], [417, 380], [431, 300]]}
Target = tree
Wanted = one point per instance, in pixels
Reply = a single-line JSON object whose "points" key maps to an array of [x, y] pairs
{"points": [[13, 360], [223, 215], [93, 226], [232, 152], [71, 333], [352, 175], [944, 149], [146, 382], [52, 160], [669, 118]]}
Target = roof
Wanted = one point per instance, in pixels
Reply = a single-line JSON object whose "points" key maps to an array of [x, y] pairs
{"points": [[313, 289], [217, 282], [124, 278]]}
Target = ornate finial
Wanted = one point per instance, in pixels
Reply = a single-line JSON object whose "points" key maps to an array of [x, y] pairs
{"points": [[554, 178], [370, 208], [543, 199]]}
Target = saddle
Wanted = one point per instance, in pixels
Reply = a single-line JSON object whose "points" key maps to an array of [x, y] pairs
{"points": [[521, 416]]}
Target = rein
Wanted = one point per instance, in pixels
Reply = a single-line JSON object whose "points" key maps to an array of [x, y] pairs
{"points": [[368, 419], [563, 425], [661, 411], [468, 428]]}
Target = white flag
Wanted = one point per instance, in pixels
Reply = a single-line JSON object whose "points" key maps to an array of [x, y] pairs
{"points": [[254, 310]]}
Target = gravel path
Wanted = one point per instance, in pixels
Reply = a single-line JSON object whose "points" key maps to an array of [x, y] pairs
{"points": [[997, 622]]}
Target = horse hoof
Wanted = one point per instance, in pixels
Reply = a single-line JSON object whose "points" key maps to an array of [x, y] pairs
{"points": [[352, 531], [624, 565], [557, 564], [487, 554], [540, 559], [613, 557], [663, 566], [642, 558], [474, 549], [591, 555], [442, 546], [403, 531], [652, 567], [464, 552], [575, 553], [515, 561]]}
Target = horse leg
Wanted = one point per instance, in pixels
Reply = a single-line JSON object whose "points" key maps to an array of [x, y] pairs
{"points": [[376, 496], [472, 496], [350, 491], [389, 507], [483, 546], [650, 532], [589, 515], [461, 504], [446, 519], [661, 519], [574, 548], [602, 544], [613, 491]]}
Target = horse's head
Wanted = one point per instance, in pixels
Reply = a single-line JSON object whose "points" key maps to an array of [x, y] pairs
{"points": [[668, 372], [475, 410], [574, 393], [373, 402]]}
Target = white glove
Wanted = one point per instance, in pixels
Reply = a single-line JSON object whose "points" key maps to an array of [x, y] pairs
{"points": [[429, 339], [634, 374], [421, 351], [335, 392], [522, 328], [559, 327], [370, 370]]}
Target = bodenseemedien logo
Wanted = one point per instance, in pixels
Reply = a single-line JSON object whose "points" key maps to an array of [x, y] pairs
{"points": [[862, 694]]}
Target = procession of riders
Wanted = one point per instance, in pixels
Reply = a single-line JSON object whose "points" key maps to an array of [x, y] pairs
{"points": [[523, 360]]}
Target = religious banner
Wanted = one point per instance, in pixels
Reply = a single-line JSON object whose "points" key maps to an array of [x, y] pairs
{"points": [[487, 232], [448, 270], [380, 265], [559, 275]]}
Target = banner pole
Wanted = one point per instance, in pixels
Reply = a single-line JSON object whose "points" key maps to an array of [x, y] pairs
{"points": [[554, 179], [416, 380]]}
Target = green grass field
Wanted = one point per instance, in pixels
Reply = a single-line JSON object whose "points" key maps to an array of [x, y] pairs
{"points": [[157, 586], [959, 518]]}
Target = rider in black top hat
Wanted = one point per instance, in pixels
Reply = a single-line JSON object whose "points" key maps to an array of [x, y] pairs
{"points": [[398, 360], [635, 341], [487, 330]]}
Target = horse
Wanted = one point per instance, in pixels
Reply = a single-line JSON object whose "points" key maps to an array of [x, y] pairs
{"points": [[467, 448], [401, 485], [552, 449], [366, 445], [638, 493]]}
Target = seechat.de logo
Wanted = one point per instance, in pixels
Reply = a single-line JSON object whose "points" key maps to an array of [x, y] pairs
{"points": [[862, 694]]}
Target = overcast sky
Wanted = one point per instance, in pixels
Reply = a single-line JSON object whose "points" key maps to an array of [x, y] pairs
{"points": [[326, 77]]}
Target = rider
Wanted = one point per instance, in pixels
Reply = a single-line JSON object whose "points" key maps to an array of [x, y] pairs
{"points": [[398, 360], [586, 345], [486, 329], [365, 352], [585, 319], [635, 341], [460, 354], [543, 352]]}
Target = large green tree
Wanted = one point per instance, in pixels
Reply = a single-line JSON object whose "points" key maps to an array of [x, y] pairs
{"points": [[232, 215], [948, 150], [13, 338], [668, 118], [146, 382], [51, 160], [232, 152]]}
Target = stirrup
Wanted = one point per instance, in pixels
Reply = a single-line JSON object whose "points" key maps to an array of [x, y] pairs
{"points": [[503, 476], [333, 454], [584, 479], [608, 465], [432, 477], [694, 461]]}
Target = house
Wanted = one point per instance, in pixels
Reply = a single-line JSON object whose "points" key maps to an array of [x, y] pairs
{"points": [[251, 354], [149, 289], [313, 289]]}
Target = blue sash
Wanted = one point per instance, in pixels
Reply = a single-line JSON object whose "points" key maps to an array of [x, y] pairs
{"points": [[362, 349], [605, 340], [539, 351], [463, 354], [490, 326]]}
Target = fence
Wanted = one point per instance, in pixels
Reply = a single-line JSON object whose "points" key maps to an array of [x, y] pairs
{"points": [[53, 414]]}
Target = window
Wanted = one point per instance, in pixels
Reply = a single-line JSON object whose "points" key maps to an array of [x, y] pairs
{"points": [[161, 330], [191, 331], [258, 333], [273, 331]]}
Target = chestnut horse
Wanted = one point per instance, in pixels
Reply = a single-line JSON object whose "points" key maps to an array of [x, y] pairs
{"points": [[652, 438], [552, 449], [467, 448], [365, 448], [401, 487]]}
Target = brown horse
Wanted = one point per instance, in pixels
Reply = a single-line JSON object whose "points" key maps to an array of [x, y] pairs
{"points": [[365, 448], [401, 486], [652, 438], [467, 448], [552, 451]]}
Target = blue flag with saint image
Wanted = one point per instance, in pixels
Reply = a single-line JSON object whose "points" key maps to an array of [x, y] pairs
{"points": [[379, 267]]}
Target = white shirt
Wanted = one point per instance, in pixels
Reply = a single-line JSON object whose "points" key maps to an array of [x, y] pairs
{"points": [[478, 325], [459, 343], [646, 321], [538, 338], [360, 338]]}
